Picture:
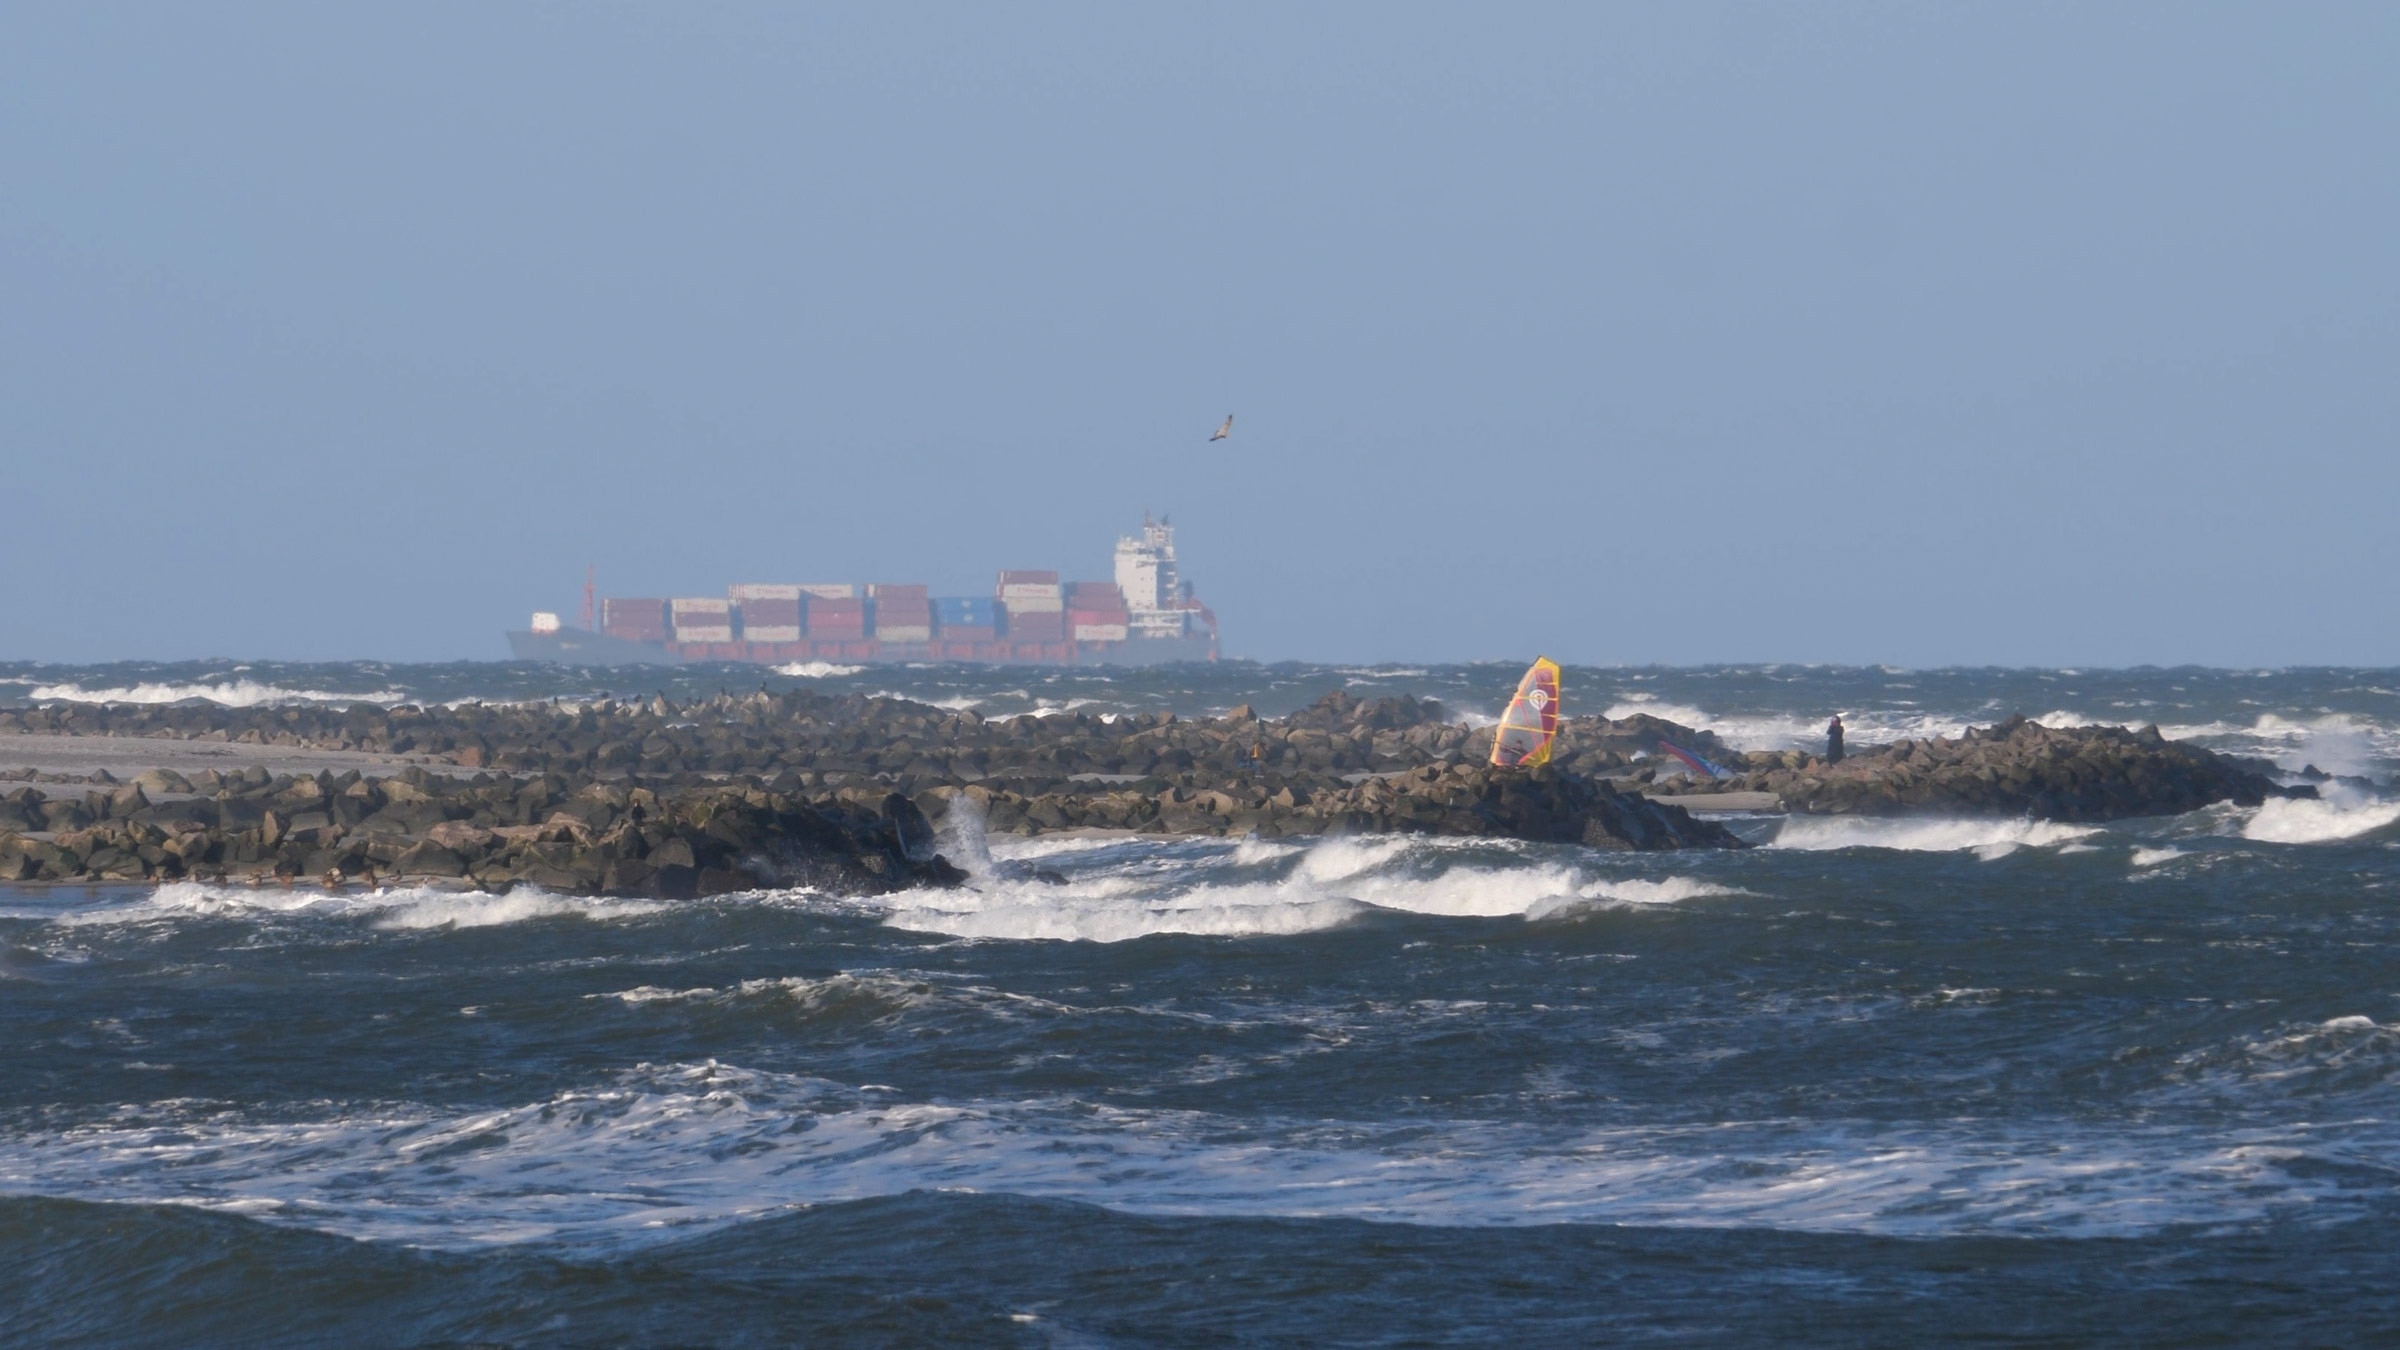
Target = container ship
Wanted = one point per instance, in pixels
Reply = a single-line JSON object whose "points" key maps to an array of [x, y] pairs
{"points": [[1146, 616]]}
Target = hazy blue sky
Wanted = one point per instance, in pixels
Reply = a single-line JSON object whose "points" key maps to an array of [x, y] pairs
{"points": [[1919, 333]]}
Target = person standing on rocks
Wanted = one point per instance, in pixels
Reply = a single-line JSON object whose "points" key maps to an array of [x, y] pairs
{"points": [[1833, 741]]}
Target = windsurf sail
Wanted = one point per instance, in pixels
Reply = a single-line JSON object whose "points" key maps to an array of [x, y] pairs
{"points": [[1531, 722], [1697, 764]]}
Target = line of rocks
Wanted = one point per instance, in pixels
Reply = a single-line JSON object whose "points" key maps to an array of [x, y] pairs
{"points": [[1465, 800], [597, 838], [911, 746], [2016, 768], [777, 788]]}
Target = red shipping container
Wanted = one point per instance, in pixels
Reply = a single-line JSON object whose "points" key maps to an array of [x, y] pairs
{"points": [[770, 613], [728, 651], [884, 591], [980, 633], [639, 620], [1045, 627]]}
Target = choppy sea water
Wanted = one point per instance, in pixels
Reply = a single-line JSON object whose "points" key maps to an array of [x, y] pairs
{"points": [[1895, 1081]]}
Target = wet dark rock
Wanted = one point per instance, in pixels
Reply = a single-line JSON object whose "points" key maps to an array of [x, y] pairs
{"points": [[803, 788], [2017, 768]]}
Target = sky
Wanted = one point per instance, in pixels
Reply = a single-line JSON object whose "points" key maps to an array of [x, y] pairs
{"points": [[1962, 333]]}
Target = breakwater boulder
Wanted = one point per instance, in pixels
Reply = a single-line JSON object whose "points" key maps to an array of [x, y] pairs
{"points": [[1463, 800], [492, 832], [818, 738], [2017, 768]]}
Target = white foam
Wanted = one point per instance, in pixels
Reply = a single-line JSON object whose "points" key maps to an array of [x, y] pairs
{"points": [[1666, 891], [2286, 821], [2152, 857], [816, 670], [2337, 743], [1628, 894], [230, 693], [1260, 888], [390, 908], [1033, 847], [682, 1146], [1039, 912], [1989, 839]]}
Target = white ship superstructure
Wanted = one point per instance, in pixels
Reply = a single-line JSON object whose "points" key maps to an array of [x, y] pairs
{"points": [[1154, 594]]}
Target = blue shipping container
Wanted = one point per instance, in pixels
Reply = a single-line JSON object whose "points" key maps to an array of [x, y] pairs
{"points": [[951, 611]]}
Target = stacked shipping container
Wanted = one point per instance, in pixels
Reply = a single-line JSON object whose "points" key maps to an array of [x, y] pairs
{"points": [[902, 613], [968, 625], [1096, 612], [1032, 607], [770, 611], [834, 620], [634, 620], [701, 619]]}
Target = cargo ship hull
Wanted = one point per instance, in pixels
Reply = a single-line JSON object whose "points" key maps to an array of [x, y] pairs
{"points": [[576, 647], [1145, 616]]}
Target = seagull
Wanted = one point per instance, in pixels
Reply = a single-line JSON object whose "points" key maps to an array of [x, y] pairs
{"points": [[1225, 430]]}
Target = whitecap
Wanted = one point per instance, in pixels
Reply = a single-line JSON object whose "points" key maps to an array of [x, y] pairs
{"points": [[816, 670], [2283, 820], [711, 1143], [1989, 839], [228, 693], [1257, 888], [390, 908]]}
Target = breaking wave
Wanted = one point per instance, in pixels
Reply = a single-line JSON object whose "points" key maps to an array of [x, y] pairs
{"points": [[228, 693], [678, 1147], [1988, 838], [2286, 821], [816, 670], [1256, 887], [394, 908]]}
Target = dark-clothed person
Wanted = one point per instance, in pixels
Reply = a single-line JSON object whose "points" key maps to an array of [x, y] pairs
{"points": [[1833, 741]]}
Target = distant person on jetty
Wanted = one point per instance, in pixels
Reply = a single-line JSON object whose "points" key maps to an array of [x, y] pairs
{"points": [[1833, 741]]}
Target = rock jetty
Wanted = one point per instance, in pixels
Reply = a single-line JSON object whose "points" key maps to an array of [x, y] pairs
{"points": [[1546, 805], [821, 738], [645, 796], [2017, 768], [493, 832]]}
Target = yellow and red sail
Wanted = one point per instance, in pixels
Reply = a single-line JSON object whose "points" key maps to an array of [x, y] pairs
{"points": [[1531, 722]]}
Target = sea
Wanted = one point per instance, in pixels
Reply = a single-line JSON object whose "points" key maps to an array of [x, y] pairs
{"points": [[1908, 1081]]}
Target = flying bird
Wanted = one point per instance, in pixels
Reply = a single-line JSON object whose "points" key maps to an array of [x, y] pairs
{"points": [[1225, 430]]}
